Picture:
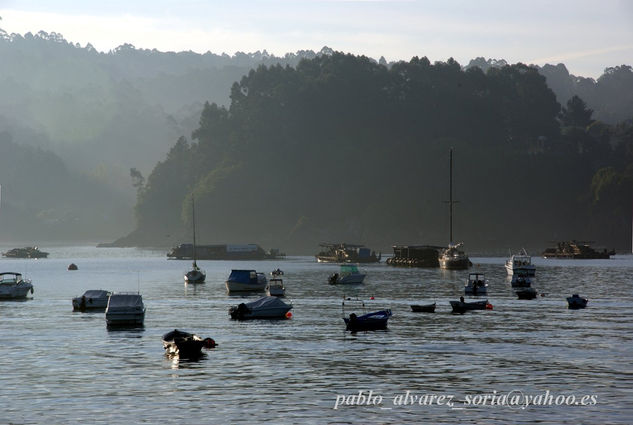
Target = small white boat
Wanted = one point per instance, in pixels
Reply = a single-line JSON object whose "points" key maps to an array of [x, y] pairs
{"points": [[348, 274], [520, 263], [125, 309], [476, 285], [93, 299], [263, 308], [246, 281], [13, 286], [275, 288]]}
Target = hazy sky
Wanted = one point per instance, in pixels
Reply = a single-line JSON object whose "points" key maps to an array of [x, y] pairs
{"points": [[587, 36]]}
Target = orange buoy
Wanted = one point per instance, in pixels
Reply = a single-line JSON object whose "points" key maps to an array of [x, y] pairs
{"points": [[288, 315]]}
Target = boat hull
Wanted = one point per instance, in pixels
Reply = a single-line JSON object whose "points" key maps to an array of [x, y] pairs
{"points": [[461, 307], [368, 322], [125, 318], [427, 308], [15, 291], [233, 286], [195, 276], [526, 294]]}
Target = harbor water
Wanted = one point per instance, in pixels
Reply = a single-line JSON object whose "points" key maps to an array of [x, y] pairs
{"points": [[526, 362]]}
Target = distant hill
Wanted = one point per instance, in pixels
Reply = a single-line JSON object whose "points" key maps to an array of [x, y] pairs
{"points": [[610, 97], [99, 115], [343, 148]]}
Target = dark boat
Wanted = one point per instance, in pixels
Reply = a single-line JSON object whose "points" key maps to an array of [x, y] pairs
{"points": [[527, 293], [223, 252], [346, 253], [578, 250], [184, 344], [26, 252], [263, 308], [368, 322], [576, 302], [520, 281], [461, 306], [426, 308]]}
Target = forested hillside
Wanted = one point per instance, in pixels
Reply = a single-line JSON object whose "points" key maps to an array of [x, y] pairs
{"points": [[343, 148], [338, 147]]}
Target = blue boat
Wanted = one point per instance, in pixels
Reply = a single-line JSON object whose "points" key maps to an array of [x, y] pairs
{"points": [[246, 281], [368, 322], [576, 302]]}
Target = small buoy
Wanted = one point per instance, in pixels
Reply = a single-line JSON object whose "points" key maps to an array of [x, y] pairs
{"points": [[72, 266], [288, 315], [488, 306], [371, 298]]}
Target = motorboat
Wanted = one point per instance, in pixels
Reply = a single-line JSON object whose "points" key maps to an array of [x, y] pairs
{"points": [[275, 287], [92, 299], [520, 263], [520, 280], [195, 275], [476, 284], [26, 252], [348, 273], [526, 293], [13, 286], [185, 345], [246, 281], [576, 302], [425, 308], [462, 306], [367, 322], [278, 272], [263, 308], [125, 309]]}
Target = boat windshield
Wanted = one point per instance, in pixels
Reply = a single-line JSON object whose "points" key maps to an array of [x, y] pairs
{"points": [[349, 269]]}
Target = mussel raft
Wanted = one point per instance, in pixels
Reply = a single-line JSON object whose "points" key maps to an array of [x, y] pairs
{"points": [[415, 256]]}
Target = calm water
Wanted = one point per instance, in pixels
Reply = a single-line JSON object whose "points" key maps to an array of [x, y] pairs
{"points": [[65, 367]]}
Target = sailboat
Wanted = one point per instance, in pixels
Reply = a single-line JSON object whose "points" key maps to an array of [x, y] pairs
{"points": [[453, 257], [195, 275]]}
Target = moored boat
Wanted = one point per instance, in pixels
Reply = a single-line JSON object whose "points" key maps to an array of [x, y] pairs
{"points": [[26, 252], [125, 309], [348, 273], [520, 263], [520, 281], [423, 308], [576, 302], [346, 253], [92, 299], [576, 250], [13, 286], [246, 281], [367, 322], [462, 306], [476, 285], [453, 257], [195, 275], [185, 344], [276, 288], [263, 308]]}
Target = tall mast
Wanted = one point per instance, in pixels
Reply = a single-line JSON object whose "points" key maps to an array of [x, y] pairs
{"points": [[193, 213], [450, 202]]}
